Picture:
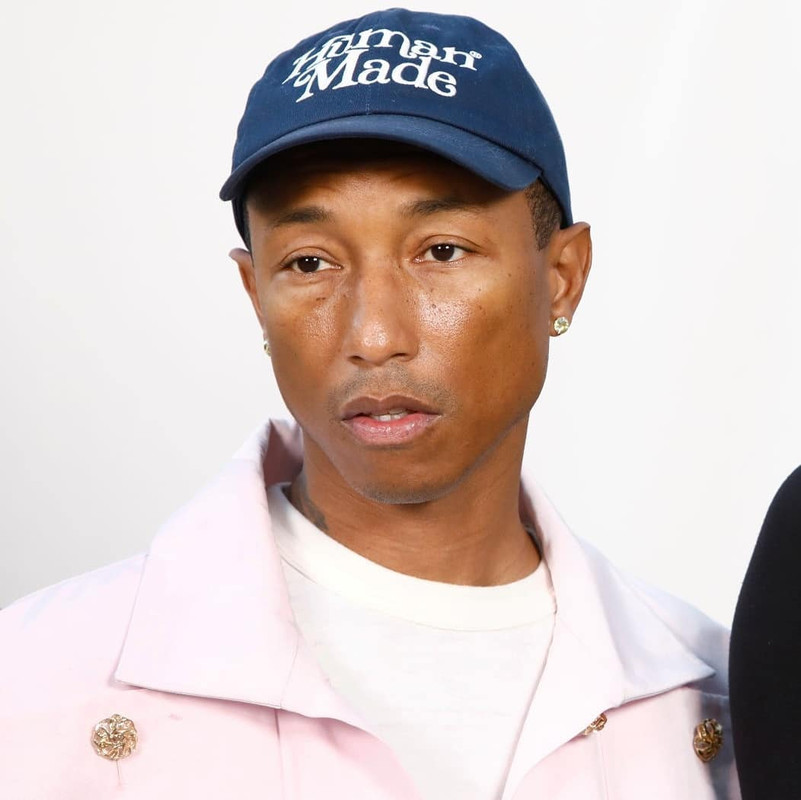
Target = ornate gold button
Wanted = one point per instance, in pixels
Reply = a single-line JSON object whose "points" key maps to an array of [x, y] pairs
{"points": [[708, 739], [596, 725], [114, 737]]}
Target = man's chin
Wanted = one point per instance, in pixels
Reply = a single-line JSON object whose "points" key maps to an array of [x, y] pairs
{"points": [[400, 493]]}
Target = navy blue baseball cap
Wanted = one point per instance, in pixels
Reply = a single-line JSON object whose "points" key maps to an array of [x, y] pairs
{"points": [[447, 84]]}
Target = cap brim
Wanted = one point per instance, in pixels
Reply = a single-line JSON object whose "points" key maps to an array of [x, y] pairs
{"points": [[486, 159]]}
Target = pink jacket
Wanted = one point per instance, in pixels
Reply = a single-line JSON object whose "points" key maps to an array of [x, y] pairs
{"points": [[195, 643]]}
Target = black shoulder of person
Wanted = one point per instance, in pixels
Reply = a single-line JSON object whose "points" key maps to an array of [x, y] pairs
{"points": [[765, 658]]}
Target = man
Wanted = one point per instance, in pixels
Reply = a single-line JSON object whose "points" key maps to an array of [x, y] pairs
{"points": [[371, 605]]}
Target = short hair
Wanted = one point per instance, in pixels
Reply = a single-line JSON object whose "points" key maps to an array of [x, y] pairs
{"points": [[546, 213]]}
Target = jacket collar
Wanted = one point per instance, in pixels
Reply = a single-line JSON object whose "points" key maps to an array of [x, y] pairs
{"points": [[609, 647], [212, 616]]}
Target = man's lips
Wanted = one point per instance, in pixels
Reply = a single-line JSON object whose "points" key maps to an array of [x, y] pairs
{"points": [[393, 420]]}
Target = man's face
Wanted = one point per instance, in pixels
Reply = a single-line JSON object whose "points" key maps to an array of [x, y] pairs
{"points": [[408, 311]]}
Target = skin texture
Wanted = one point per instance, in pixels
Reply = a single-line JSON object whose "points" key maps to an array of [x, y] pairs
{"points": [[426, 281]]}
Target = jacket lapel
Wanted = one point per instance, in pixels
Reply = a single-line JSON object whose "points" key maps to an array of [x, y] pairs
{"points": [[608, 646], [212, 616]]}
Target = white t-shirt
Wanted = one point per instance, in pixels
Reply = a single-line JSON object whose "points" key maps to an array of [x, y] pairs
{"points": [[443, 673]]}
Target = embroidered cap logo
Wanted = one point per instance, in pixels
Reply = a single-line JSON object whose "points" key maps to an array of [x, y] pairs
{"points": [[343, 61]]}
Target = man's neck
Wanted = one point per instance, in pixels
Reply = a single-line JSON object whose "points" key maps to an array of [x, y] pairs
{"points": [[472, 535]]}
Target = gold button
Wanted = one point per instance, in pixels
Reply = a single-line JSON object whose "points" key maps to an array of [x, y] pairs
{"points": [[114, 737], [597, 724], [708, 739]]}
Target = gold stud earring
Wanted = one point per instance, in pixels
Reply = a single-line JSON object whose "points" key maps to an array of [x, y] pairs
{"points": [[267, 350], [560, 325]]}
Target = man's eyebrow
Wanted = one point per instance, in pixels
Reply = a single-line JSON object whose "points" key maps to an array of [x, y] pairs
{"points": [[424, 208], [303, 214]]}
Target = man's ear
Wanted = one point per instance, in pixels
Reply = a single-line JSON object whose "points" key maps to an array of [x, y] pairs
{"points": [[570, 258], [247, 273]]}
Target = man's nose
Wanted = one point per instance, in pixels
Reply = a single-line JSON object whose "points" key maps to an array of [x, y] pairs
{"points": [[381, 320]]}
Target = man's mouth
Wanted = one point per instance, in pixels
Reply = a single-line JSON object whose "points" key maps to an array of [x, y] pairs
{"points": [[385, 409], [387, 421]]}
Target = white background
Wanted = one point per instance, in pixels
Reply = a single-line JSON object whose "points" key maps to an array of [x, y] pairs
{"points": [[131, 364]]}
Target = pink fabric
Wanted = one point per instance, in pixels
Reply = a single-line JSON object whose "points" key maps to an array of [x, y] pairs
{"points": [[196, 644]]}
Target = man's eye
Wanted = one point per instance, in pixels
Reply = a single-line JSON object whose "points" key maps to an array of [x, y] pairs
{"points": [[446, 252], [309, 264]]}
